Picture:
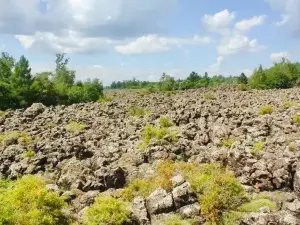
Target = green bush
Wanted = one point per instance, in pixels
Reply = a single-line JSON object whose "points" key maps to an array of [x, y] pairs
{"points": [[257, 204], [2, 113], [137, 111], [266, 110], [108, 210], [258, 148], [210, 96], [30, 153], [75, 126], [177, 220], [22, 137], [296, 119], [165, 122], [104, 99], [27, 201], [288, 105], [228, 142], [292, 147], [150, 132], [243, 87]]}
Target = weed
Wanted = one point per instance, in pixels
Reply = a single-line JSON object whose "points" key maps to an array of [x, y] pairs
{"points": [[108, 210], [75, 127], [258, 148], [177, 220], [2, 113], [266, 110], [292, 147], [105, 99], [29, 154], [165, 122], [228, 142], [296, 119], [210, 96], [137, 111], [288, 105], [22, 137]]}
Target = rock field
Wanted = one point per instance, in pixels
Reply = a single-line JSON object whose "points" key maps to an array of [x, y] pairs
{"points": [[86, 149]]}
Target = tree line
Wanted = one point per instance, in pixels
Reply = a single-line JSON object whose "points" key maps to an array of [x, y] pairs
{"points": [[19, 88]]}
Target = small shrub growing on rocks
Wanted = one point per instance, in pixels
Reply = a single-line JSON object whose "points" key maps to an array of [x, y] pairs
{"points": [[105, 99], [296, 120], [288, 105], [137, 111], [266, 110], [27, 201], [256, 205], [2, 113], [75, 126], [22, 137], [30, 153], [210, 96], [177, 220], [165, 122], [108, 210], [258, 148], [292, 147], [228, 142], [243, 87]]}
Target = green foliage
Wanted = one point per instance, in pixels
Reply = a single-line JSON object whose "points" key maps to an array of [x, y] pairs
{"points": [[177, 220], [2, 113], [167, 83], [231, 218], [288, 105], [137, 111], [108, 210], [228, 142], [243, 79], [75, 126], [29, 154], [217, 188], [27, 201], [257, 204], [292, 147], [258, 148], [210, 96], [22, 137], [150, 132], [266, 110], [281, 75], [104, 99], [243, 87], [296, 119], [165, 122]]}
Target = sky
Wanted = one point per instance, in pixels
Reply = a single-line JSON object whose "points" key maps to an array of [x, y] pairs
{"points": [[121, 39]]}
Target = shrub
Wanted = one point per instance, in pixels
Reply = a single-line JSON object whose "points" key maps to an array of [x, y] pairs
{"points": [[292, 147], [27, 201], [170, 93], [75, 126], [266, 110], [177, 220], [257, 204], [228, 142], [258, 148], [210, 96], [296, 119], [30, 153], [288, 105], [231, 218], [108, 210], [22, 137], [243, 87], [2, 113], [165, 122], [104, 99], [137, 111], [150, 132]]}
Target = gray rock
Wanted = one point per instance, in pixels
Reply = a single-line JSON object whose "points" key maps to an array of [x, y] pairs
{"points": [[190, 211], [140, 211], [183, 195], [159, 202]]}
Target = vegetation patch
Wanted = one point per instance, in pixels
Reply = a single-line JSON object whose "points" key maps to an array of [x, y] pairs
{"points": [[288, 105], [27, 201], [177, 220], [256, 205], [296, 119], [217, 188], [292, 147], [165, 122], [22, 137], [104, 99], [164, 135], [258, 148], [29, 154], [266, 110], [108, 210], [210, 96], [75, 127], [2, 113], [137, 111], [228, 142]]}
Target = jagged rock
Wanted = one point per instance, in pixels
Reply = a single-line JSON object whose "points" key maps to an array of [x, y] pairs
{"points": [[159, 202], [34, 110], [140, 211], [190, 211], [183, 195]]}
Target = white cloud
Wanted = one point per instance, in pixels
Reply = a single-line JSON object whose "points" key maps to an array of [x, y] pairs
{"points": [[154, 43], [216, 67], [290, 14], [218, 22], [238, 43], [245, 25], [275, 57]]}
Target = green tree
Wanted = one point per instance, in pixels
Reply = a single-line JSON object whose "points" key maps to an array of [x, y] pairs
{"points": [[243, 79], [167, 83]]}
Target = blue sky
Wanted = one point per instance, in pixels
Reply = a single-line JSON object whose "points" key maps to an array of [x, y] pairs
{"points": [[121, 39]]}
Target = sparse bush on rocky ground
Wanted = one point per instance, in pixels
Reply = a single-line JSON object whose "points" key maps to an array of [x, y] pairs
{"points": [[29, 154], [75, 126], [258, 148], [27, 201], [296, 119], [288, 105], [228, 142], [177, 220], [165, 122], [266, 110], [21, 137], [2, 113], [108, 210], [137, 111], [105, 98], [210, 96]]}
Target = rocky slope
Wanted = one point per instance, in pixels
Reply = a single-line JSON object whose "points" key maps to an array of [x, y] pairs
{"points": [[85, 149]]}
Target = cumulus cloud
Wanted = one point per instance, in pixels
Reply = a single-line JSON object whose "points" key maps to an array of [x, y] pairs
{"points": [[238, 43], [290, 14], [218, 22], [154, 43], [245, 25], [216, 67], [277, 56]]}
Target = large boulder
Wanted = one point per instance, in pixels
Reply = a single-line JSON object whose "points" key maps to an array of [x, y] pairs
{"points": [[160, 202]]}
